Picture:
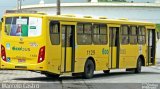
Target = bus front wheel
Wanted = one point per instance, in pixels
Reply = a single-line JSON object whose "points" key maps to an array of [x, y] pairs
{"points": [[88, 69], [139, 66]]}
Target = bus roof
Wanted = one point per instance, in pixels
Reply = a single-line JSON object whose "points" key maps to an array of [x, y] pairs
{"points": [[99, 20], [82, 19]]}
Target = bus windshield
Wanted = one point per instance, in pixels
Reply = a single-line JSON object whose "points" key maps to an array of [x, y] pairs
{"points": [[23, 26]]}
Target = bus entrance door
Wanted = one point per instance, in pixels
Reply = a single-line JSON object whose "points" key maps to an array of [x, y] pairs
{"points": [[68, 47], [151, 47], [114, 47]]}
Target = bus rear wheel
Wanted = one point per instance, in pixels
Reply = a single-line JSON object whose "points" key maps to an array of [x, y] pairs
{"points": [[88, 69], [139, 66]]}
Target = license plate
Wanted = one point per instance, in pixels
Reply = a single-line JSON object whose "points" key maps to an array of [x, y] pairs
{"points": [[21, 60]]}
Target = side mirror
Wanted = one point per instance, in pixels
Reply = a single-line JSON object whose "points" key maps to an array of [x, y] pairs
{"points": [[1, 19]]}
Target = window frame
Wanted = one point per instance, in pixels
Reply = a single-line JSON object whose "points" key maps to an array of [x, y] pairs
{"points": [[83, 24], [122, 34], [99, 33], [13, 23], [54, 22], [130, 34], [141, 35]]}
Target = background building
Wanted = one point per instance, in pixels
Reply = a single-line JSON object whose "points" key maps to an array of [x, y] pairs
{"points": [[116, 9], [133, 11], [10, 4]]}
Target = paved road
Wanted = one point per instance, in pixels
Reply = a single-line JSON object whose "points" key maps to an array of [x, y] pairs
{"points": [[117, 79], [100, 80]]}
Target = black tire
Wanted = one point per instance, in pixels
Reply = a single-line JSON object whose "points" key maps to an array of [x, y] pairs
{"points": [[139, 66], [106, 71], [52, 75], [88, 69]]}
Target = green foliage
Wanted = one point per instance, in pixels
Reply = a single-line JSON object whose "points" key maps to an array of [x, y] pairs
{"points": [[158, 27]]}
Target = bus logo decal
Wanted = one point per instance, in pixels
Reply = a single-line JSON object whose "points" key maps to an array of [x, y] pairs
{"points": [[105, 51], [20, 49]]}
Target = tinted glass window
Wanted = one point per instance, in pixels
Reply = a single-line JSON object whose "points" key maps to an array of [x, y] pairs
{"points": [[124, 34], [23, 26], [84, 34], [54, 33], [133, 35]]}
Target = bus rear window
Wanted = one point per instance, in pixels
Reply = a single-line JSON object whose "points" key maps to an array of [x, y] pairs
{"points": [[23, 26]]}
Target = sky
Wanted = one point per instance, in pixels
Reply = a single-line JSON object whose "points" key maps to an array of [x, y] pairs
{"points": [[10, 4]]}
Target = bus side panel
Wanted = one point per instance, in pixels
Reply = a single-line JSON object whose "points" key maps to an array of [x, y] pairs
{"points": [[98, 53], [53, 58], [144, 53], [101, 57], [80, 58], [53, 53], [128, 56]]}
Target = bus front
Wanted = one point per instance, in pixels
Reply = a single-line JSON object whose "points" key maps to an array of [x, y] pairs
{"points": [[23, 42]]}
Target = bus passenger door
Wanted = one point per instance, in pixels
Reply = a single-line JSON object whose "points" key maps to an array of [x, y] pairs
{"points": [[114, 47], [68, 47], [151, 47]]}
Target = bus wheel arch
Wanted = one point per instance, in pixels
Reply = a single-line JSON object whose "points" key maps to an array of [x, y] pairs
{"points": [[89, 68], [92, 59], [142, 59], [139, 64]]}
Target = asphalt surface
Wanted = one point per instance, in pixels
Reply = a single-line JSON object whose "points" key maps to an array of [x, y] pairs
{"points": [[117, 79]]}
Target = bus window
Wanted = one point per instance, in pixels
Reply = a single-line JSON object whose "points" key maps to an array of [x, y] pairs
{"points": [[84, 34], [113, 36], [100, 34], [23, 26], [124, 34], [87, 29], [133, 35], [68, 31], [141, 35], [80, 28], [54, 33], [96, 38], [103, 34]]}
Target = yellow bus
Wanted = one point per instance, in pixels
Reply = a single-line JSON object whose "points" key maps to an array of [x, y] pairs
{"points": [[56, 45]]}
